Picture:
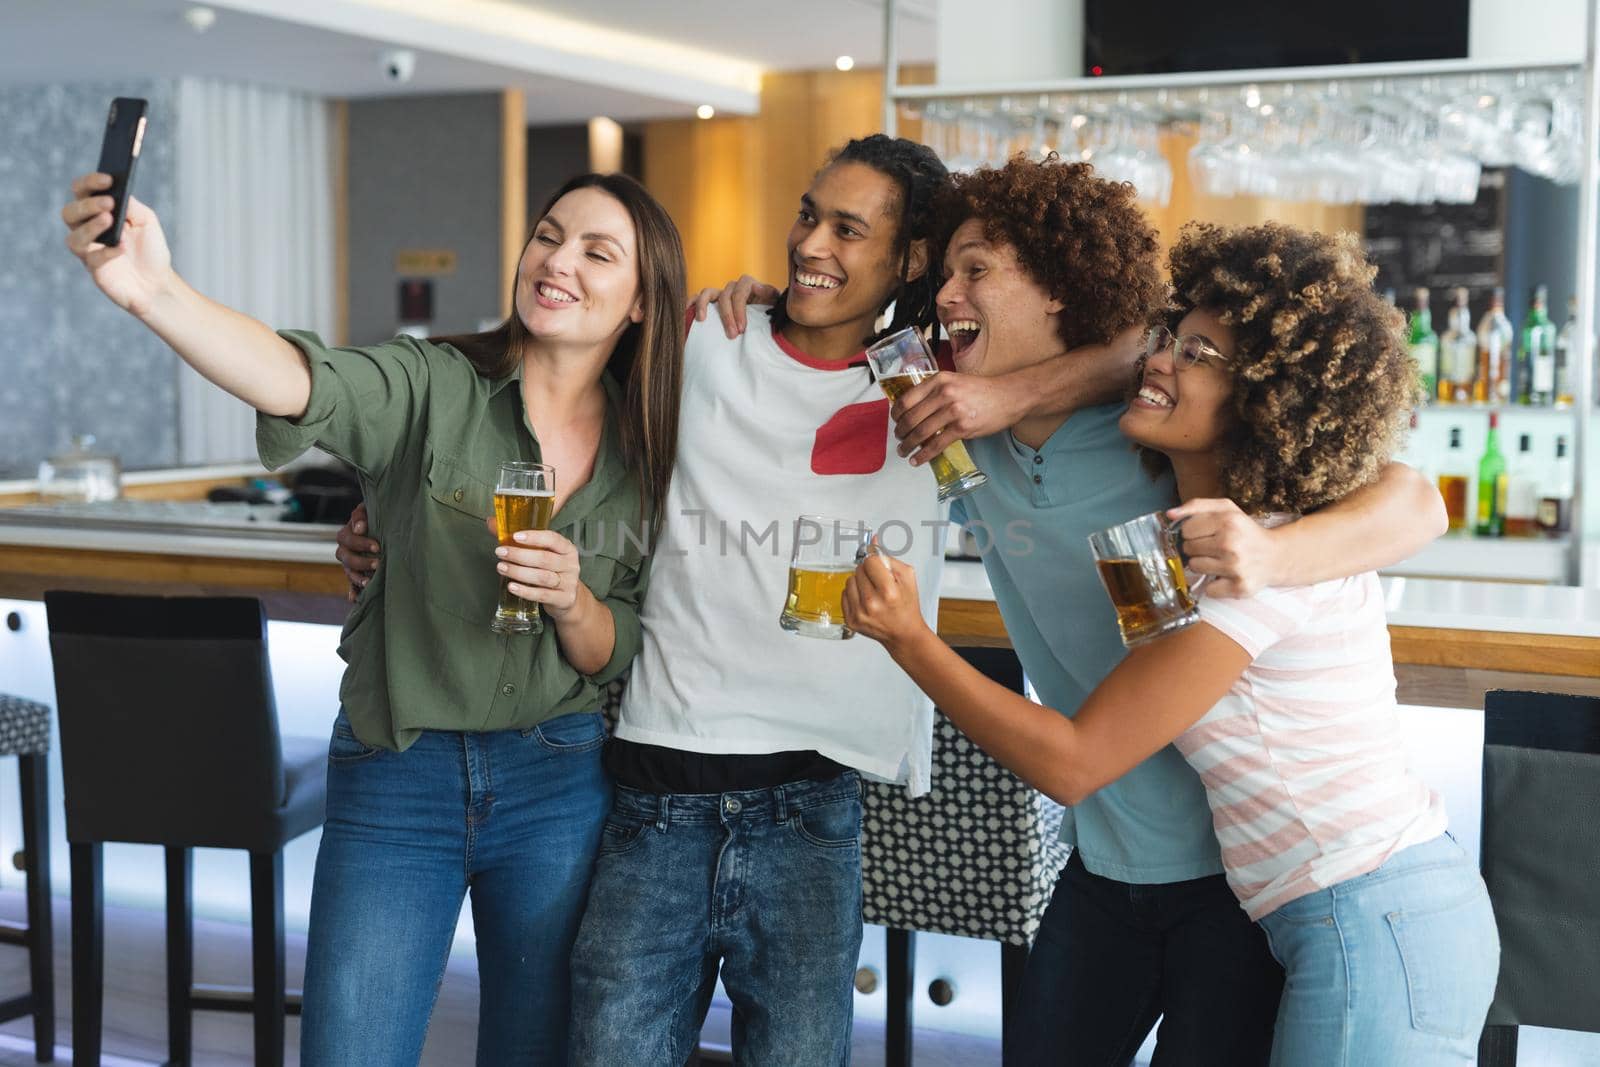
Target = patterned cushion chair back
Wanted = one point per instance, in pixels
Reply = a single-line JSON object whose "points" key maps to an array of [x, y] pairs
{"points": [[977, 856]]}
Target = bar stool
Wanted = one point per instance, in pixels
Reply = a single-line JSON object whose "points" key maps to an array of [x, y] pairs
{"points": [[977, 856], [25, 733], [169, 736], [1540, 858]]}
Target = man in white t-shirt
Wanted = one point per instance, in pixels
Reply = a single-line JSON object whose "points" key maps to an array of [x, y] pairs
{"points": [[733, 848]]}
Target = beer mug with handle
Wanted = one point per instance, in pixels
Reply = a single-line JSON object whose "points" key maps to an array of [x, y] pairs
{"points": [[524, 499], [901, 361], [826, 552], [1141, 566]]}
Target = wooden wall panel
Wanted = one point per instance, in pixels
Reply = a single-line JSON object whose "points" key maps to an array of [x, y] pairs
{"points": [[513, 190], [733, 184], [340, 162]]}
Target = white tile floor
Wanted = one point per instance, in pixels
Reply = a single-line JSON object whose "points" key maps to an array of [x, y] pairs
{"points": [[135, 1011]]}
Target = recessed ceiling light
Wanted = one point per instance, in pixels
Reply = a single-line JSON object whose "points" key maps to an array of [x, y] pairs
{"points": [[706, 111], [845, 63], [200, 19]]}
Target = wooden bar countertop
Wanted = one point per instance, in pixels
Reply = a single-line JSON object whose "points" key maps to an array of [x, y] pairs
{"points": [[1451, 639]]}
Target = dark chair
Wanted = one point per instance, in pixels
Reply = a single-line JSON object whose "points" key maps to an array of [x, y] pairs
{"points": [[977, 857], [1541, 861], [25, 733], [169, 736]]}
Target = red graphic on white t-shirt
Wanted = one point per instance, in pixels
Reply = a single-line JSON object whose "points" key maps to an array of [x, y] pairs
{"points": [[854, 440]]}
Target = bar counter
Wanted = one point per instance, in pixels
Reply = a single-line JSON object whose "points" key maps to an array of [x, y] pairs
{"points": [[290, 568], [1454, 638]]}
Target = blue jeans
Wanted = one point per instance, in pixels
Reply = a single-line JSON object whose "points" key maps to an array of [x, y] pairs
{"points": [[1111, 957], [767, 882], [514, 818], [1396, 966]]}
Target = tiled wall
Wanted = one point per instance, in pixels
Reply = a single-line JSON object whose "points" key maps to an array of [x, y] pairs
{"points": [[70, 361]]}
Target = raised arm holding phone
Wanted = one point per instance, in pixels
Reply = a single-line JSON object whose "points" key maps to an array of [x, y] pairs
{"points": [[463, 762]]}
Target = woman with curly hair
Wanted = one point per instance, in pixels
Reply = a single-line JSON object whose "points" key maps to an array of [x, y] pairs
{"points": [[1281, 382]]}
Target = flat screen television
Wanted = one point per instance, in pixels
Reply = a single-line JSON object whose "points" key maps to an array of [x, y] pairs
{"points": [[1168, 36]]}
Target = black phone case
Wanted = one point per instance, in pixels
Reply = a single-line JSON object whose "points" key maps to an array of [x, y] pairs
{"points": [[119, 154]]}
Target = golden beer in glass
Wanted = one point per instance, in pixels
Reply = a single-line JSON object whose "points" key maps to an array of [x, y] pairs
{"points": [[1142, 569], [524, 499], [901, 361], [825, 554]]}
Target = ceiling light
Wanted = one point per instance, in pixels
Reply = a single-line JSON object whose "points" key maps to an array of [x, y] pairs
{"points": [[200, 19], [845, 63], [706, 111]]}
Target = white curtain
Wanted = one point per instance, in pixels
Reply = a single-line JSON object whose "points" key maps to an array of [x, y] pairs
{"points": [[254, 230]]}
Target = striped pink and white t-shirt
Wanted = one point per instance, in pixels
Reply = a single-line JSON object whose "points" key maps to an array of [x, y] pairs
{"points": [[1302, 760]]}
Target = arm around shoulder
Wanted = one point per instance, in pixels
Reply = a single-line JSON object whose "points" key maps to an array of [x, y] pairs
{"points": [[1376, 526]]}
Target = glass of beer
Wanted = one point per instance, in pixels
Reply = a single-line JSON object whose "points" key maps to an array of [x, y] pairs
{"points": [[901, 361], [1142, 569], [524, 498], [825, 555]]}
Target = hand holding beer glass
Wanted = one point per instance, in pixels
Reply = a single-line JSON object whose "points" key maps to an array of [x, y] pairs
{"points": [[524, 499], [901, 361], [825, 555], [1142, 569]]}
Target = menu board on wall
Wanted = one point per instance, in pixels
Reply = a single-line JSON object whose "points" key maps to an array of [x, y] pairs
{"points": [[1441, 246]]}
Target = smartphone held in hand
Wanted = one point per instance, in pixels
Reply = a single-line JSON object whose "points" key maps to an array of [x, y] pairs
{"points": [[119, 152]]}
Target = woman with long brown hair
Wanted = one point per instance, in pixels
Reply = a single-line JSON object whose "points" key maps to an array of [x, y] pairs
{"points": [[463, 760]]}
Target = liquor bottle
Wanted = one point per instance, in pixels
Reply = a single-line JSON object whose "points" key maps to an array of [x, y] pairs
{"points": [[1424, 345], [1536, 362], [1522, 492], [1455, 476], [1458, 352], [1567, 354], [1555, 506], [1492, 485], [1492, 385]]}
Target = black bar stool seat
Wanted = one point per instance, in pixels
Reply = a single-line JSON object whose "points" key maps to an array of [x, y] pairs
{"points": [[25, 733], [1540, 859], [169, 736]]}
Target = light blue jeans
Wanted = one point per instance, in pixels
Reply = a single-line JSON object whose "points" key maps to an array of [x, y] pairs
{"points": [[1396, 966], [508, 818]]}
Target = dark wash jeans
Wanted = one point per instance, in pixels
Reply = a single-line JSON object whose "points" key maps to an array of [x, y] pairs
{"points": [[1110, 957], [510, 817], [764, 882]]}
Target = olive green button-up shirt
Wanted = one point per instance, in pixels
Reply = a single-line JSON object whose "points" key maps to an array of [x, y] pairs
{"points": [[427, 434]]}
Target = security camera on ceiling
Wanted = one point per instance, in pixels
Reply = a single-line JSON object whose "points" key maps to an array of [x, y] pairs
{"points": [[399, 64]]}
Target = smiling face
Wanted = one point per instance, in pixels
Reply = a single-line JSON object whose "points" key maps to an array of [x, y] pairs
{"points": [[1181, 407], [844, 262], [578, 282], [998, 318]]}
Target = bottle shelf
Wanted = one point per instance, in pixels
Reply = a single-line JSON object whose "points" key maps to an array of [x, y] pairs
{"points": [[1463, 555], [1536, 411]]}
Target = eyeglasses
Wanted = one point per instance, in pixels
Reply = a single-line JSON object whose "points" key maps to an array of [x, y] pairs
{"points": [[1188, 350]]}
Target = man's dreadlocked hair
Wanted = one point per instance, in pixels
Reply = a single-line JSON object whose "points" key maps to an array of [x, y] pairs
{"points": [[920, 177]]}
